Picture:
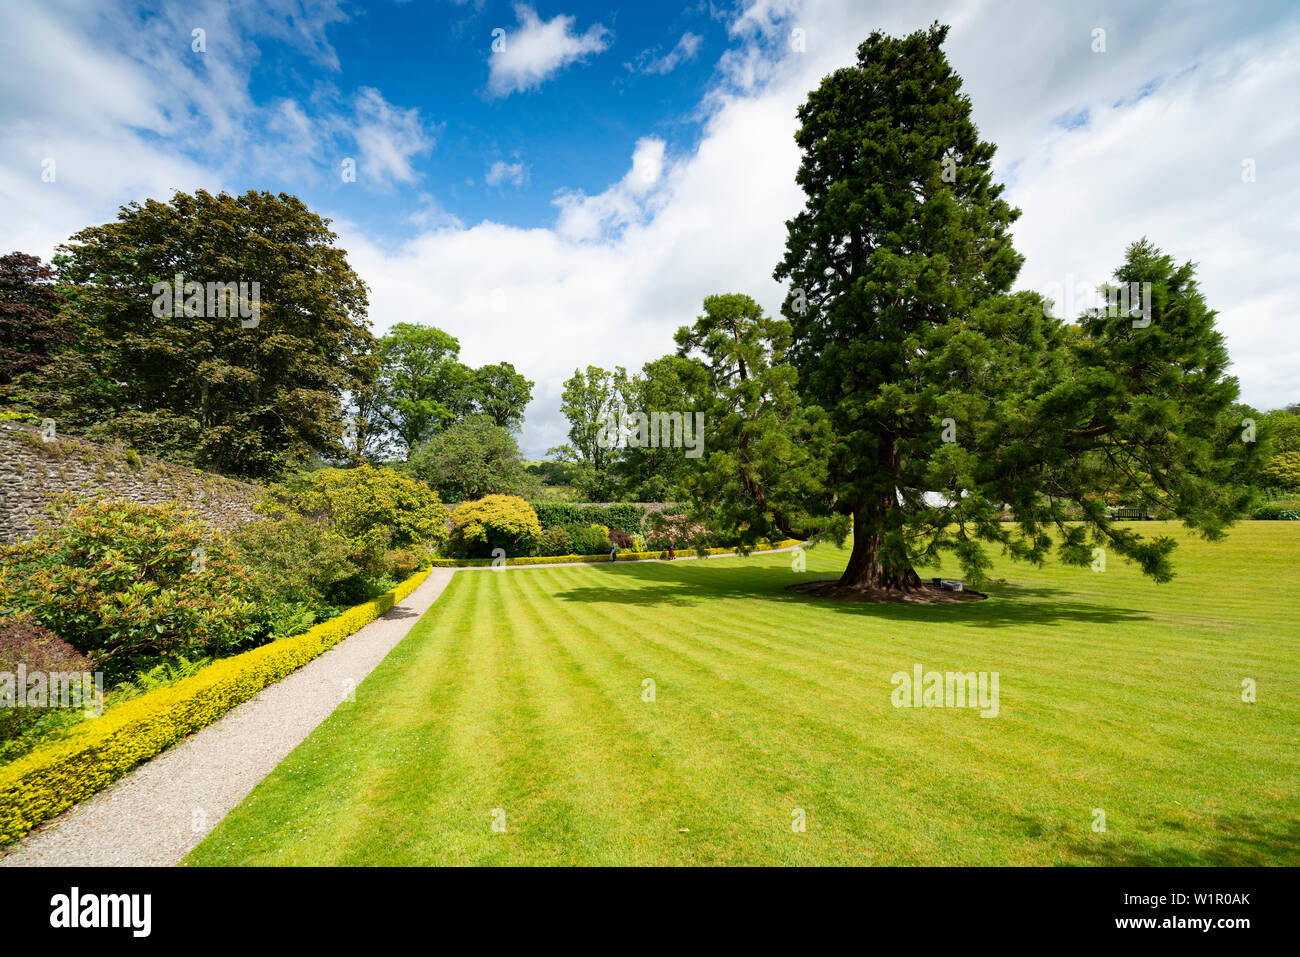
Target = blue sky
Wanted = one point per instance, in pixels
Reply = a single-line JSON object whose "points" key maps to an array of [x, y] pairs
{"points": [[570, 197], [574, 130]]}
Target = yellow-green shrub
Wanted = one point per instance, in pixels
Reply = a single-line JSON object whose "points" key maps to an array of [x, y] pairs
{"points": [[99, 751], [494, 521]]}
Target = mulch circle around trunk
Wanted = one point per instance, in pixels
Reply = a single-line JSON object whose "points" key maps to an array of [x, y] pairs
{"points": [[923, 595]]}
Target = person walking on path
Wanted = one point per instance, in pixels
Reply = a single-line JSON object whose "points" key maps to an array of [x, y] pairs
{"points": [[671, 554], [613, 551]]}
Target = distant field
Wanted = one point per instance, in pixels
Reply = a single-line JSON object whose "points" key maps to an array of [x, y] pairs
{"points": [[522, 692]]}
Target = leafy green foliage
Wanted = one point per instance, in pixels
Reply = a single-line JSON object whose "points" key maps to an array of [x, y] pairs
{"points": [[502, 394], [1282, 431], [671, 384], [494, 521], [764, 469], [622, 515], [203, 389], [472, 458], [589, 401], [372, 509], [555, 541], [31, 329], [1283, 470], [120, 581], [586, 539], [422, 385], [300, 569]]}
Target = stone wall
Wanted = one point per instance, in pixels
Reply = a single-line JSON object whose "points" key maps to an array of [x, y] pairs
{"points": [[33, 472]]}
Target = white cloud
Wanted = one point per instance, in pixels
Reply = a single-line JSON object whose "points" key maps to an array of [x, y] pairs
{"points": [[388, 137], [537, 49], [686, 49], [763, 17], [629, 200], [503, 172]]}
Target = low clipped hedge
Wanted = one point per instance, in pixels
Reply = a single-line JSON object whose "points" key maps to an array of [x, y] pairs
{"points": [[98, 751], [622, 556]]}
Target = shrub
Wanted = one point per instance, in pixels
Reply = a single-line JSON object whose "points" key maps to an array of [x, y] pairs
{"points": [[159, 676], [620, 538], [494, 521], [555, 541], [298, 566], [403, 563], [676, 531], [1283, 470], [1274, 511], [24, 641], [587, 539], [374, 509], [119, 580]]}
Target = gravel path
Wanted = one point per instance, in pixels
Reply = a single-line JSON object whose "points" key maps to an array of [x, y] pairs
{"points": [[162, 809]]}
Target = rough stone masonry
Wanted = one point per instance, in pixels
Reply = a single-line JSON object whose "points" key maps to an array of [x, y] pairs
{"points": [[33, 472]]}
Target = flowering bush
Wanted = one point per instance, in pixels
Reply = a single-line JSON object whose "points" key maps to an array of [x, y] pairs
{"points": [[678, 531], [118, 580]]}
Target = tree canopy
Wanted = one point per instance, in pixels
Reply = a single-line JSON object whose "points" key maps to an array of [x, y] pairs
{"points": [[472, 458], [30, 327], [243, 382]]}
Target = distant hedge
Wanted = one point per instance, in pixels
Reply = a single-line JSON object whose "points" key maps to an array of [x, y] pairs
{"points": [[622, 515]]}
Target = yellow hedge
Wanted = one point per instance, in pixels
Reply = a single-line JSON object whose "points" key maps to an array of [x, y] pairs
{"points": [[99, 751], [593, 559]]}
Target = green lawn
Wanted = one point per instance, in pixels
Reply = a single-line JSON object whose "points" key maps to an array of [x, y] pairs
{"points": [[522, 691]]}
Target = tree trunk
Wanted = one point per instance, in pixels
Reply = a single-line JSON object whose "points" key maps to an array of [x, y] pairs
{"points": [[867, 567]]}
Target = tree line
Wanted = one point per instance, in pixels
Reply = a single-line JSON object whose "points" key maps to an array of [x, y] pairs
{"points": [[84, 343]]}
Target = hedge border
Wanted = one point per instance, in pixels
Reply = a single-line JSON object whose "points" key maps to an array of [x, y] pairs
{"points": [[97, 752], [604, 557], [628, 516]]}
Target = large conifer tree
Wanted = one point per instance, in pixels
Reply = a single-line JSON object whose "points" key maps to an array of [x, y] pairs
{"points": [[949, 399]]}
